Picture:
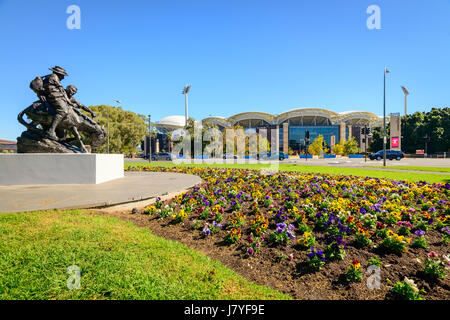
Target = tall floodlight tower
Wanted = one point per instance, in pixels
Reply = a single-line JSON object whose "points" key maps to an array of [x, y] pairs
{"points": [[185, 92], [406, 92], [384, 117]]}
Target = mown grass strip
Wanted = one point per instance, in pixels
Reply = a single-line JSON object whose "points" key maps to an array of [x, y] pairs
{"points": [[430, 169], [118, 260], [407, 176]]}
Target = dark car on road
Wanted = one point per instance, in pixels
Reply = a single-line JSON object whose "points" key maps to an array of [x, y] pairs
{"points": [[281, 156], [161, 156], [229, 156], [390, 154]]}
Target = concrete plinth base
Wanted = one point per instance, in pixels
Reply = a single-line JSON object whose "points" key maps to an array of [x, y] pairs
{"points": [[59, 168]]}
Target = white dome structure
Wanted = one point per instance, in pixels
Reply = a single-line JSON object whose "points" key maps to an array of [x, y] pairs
{"points": [[170, 123]]}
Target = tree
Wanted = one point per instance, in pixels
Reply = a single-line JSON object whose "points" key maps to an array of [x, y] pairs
{"points": [[338, 148], [253, 144], [209, 134], [212, 139], [316, 147], [240, 136], [413, 131], [351, 146], [377, 139], [126, 129], [434, 124], [437, 127]]}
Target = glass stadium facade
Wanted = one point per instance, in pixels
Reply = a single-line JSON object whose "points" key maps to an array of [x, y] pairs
{"points": [[291, 126]]}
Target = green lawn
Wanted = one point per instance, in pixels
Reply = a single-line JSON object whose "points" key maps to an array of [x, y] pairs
{"points": [[408, 176], [430, 169], [118, 260]]}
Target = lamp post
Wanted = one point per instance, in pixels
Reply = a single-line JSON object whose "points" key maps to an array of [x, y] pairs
{"points": [[384, 117], [185, 92], [149, 138], [107, 116], [406, 92]]}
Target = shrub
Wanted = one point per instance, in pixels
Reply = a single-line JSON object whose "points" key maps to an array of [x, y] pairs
{"points": [[259, 224], [421, 241], [237, 219], [435, 267], [374, 261], [316, 259], [351, 146], [232, 236], [307, 241], [407, 290], [362, 238], [283, 233], [150, 210], [179, 216], [395, 243], [316, 147], [335, 249], [338, 148], [354, 274]]}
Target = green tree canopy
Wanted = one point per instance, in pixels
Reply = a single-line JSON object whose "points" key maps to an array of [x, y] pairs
{"points": [[377, 139], [434, 124], [351, 146], [316, 147], [338, 148], [126, 129]]}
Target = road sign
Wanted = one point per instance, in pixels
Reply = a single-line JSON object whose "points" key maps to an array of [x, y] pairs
{"points": [[395, 142]]}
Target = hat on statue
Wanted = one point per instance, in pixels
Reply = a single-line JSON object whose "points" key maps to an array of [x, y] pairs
{"points": [[58, 69]]}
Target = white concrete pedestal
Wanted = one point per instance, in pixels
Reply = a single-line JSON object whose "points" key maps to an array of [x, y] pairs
{"points": [[59, 168]]}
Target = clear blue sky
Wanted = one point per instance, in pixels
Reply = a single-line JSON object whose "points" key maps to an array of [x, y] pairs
{"points": [[239, 55]]}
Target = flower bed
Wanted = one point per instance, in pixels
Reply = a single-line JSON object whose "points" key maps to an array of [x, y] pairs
{"points": [[299, 232]]}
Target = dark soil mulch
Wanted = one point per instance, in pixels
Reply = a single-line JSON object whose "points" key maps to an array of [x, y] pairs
{"points": [[271, 266]]}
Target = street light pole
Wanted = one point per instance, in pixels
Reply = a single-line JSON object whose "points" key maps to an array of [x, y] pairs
{"points": [[384, 117], [149, 138], [365, 143], [107, 115]]}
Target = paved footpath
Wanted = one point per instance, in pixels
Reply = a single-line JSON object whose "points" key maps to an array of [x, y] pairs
{"points": [[135, 186]]}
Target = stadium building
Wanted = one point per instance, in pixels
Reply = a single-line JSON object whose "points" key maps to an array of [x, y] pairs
{"points": [[291, 126], [7, 146]]}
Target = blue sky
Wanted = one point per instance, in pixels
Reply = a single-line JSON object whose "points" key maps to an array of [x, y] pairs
{"points": [[239, 55]]}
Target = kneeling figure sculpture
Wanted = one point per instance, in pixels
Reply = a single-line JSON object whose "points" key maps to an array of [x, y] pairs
{"points": [[55, 113]]}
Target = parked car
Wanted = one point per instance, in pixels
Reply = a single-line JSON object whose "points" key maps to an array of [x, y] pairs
{"points": [[161, 156], [281, 156], [390, 154], [229, 156]]}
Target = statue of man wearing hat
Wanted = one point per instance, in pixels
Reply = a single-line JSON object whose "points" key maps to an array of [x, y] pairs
{"points": [[54, 93]]}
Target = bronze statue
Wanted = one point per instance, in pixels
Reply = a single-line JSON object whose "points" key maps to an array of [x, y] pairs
{"points": [[55, 113]]}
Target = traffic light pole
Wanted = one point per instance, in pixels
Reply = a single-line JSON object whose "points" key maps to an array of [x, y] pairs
{"points": [[306, 144], [365, 143]]}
